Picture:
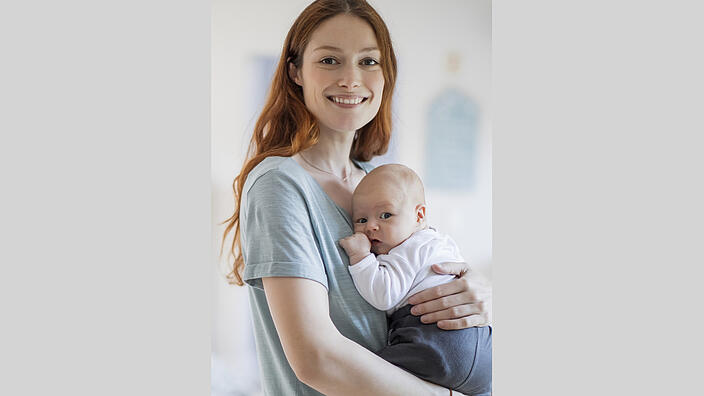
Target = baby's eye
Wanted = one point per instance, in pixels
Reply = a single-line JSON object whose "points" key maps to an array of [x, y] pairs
{"points": [[329, 61], [361, 221], [385, 215], [369, 62]]}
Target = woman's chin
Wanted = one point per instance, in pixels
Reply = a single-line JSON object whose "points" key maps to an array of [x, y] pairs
{"points": [[345, 126]]}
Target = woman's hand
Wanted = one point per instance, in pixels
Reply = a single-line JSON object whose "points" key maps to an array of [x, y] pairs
{"points": [[464, 302]]}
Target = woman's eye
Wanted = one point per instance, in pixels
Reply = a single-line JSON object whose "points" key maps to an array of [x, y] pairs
{"points": [[385, 215], [361, 221], [328, 61], [369, 62]]}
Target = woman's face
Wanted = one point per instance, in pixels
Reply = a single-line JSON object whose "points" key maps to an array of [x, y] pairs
{"points": [[341, 74]]}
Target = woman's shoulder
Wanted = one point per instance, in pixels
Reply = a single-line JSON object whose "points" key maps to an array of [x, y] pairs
{"points": [[279, 171]]}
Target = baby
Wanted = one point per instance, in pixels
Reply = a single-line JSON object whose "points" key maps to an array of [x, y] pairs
{"points": [[388, 209]]}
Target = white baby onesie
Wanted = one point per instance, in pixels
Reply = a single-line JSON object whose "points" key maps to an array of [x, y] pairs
{"points": [[388, 280]]}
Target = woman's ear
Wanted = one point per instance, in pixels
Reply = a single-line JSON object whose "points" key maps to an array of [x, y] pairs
{"points": [[293, 72], [420, 214]]}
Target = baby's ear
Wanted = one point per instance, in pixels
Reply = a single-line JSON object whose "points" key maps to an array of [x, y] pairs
{"points": [[420, 213]]}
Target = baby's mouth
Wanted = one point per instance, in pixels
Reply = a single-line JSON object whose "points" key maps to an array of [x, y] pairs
{"points": [[376, 246]]}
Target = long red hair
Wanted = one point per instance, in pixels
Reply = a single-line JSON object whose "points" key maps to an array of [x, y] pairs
{"points": [[285, 125]]}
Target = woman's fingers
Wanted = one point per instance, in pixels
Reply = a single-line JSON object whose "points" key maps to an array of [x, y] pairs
{"points": [[464, 302], [440, 304], [457, 269], [456, 286], [463, 323], [452, 313]]}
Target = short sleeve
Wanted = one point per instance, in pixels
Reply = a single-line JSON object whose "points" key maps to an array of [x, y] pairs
{"points": [[278, 239]]}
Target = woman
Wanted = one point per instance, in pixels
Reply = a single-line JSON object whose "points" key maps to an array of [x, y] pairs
{"points": [[328, 111]]}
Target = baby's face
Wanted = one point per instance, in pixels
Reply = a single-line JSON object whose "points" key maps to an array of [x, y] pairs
{"points": [[385, 215]]}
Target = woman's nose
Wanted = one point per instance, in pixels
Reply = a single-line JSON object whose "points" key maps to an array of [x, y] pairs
{"points": [[350, 77]]}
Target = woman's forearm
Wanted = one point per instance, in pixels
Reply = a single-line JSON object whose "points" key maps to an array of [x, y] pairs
{"points": [[323, 358], [343, 367]]}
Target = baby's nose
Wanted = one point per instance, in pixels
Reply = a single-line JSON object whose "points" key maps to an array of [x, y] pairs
{"points": [[372, 226]]}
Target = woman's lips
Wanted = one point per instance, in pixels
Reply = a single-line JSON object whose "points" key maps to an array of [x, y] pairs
{"points": [[347, 102]]}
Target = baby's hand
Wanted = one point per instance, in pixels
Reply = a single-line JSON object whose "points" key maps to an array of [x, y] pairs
{"points": [[356, 246]]}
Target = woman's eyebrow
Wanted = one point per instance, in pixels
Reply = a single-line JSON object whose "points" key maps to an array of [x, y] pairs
{"points": [[331, 48]]}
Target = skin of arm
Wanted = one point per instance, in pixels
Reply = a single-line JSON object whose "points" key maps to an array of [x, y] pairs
{"points": [[324, 359]]}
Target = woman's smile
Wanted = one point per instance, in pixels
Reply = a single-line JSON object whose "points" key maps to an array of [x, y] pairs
{"points": [[347, 102]]}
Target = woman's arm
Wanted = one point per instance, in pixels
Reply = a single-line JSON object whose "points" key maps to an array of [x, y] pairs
{"points": [[323, 358], [462, 303]]}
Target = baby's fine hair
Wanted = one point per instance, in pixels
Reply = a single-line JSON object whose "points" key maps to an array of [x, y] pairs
{"points": [[404, 177]]}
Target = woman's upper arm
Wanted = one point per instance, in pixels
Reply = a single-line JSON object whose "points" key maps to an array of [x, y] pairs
{"points": [[278, 239], [299, 308]]}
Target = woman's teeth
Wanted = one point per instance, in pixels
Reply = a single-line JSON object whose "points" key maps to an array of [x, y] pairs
{"points": [[355, 101]]}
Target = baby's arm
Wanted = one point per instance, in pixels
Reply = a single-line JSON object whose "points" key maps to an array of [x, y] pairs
{"points": [[383, 280], [356, 246]]}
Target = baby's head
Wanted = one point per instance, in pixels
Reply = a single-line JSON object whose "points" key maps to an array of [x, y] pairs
{"points": [[388, 206]]}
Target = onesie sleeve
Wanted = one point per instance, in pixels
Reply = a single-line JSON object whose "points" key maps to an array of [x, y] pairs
{"points": [[383, 280], [278, 239]]}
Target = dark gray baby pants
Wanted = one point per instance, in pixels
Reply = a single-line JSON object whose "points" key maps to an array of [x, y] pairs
{"points": [[457, 359]]}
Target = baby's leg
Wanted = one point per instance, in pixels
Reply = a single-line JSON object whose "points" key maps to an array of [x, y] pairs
{"points": [[479, 381], [443, 357]]}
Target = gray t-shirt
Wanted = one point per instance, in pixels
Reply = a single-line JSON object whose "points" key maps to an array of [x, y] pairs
{"points": [[290, 227]]}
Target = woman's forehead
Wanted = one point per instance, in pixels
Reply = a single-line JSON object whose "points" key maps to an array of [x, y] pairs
{"points": [[344, 33]]}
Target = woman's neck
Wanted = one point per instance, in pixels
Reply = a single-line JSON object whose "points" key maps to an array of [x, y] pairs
{"points": [[331, 152]]}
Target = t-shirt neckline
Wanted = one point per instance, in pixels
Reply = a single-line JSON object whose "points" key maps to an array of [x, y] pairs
{"points": [[343, 213]]}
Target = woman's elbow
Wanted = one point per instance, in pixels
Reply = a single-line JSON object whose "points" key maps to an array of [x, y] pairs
{"points": [[309, 364], [305, 371]]}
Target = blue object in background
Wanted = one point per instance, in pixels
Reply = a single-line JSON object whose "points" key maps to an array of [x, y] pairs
{"points": [[451, 142], [263, 67]]}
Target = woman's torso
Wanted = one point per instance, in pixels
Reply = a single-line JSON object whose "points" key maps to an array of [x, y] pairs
{"points": [[352, 316]]}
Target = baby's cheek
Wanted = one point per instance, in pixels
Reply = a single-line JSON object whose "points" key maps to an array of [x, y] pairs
{"points": [[358, 227]]}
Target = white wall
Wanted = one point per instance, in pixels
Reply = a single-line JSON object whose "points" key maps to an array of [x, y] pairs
{"points": [[423, 36]]}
